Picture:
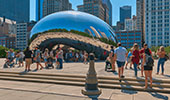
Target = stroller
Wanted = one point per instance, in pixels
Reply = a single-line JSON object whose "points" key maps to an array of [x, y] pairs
{"points": [[49, 63], [108, 65], [9, 62]]}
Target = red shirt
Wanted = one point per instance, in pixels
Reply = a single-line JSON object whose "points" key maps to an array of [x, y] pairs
{"points": [[136, 57], [143, 51]]}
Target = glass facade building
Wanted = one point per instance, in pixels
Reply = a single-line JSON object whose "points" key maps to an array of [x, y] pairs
{"points": [[17, 10], [125, 12], [157, 22], [128, 38]]}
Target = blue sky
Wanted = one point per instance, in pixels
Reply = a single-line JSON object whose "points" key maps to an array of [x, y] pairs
{"points": [[116, 4]]}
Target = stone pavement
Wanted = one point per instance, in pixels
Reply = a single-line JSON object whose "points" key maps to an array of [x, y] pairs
{"points": [[10, 90]]}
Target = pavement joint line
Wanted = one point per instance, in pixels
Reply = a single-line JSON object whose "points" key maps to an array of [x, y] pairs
{"points": [[100, 86], [83, 80], [83, 76]]}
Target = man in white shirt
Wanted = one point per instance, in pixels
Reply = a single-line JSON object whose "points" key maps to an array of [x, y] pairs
{"points": [[120, 56]]}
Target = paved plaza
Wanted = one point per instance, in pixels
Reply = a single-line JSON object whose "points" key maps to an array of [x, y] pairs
{"points": [[11, 90]]}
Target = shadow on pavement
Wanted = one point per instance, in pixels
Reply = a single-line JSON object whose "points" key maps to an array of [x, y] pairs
{"points": [[167, 76], [51, 93], [128, 91], [159, 96]]}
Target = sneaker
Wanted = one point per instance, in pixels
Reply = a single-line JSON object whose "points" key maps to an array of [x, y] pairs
{"points": [[122, 76]]}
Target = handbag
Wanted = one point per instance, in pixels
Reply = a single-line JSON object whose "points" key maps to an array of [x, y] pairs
{"points": [[166, 57]]}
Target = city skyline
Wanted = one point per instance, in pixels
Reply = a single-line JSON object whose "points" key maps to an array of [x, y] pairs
{"points": [[115, 6]]}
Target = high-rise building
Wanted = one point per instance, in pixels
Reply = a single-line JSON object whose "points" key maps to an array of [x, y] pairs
{"points": [[109, 6], [51, 6], [7, 27], [128, 38], [131, 24], [140, 12], [23, 33], [96, 8], [17, 10], [125, 12], [39, 9], [157, 22]]}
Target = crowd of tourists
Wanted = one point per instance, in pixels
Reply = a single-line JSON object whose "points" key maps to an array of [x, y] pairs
{"points": [[139, 58], [52, 58]]}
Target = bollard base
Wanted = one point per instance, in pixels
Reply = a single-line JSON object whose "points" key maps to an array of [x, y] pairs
{"points": [[91, 92]]}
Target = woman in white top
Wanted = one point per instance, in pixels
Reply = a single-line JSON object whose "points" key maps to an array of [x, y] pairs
{"points": [[45, 56]]}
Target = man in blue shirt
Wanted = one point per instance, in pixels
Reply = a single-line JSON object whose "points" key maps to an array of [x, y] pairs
{"points": [[120, 56]]}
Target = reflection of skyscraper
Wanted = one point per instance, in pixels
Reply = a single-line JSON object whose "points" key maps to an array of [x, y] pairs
{"points": [[39, 9], [125, 12], [52, 6], [99, 8], [17, 10]]}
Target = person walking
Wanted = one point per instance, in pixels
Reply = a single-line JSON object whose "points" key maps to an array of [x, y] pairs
{"points": [[120, 56], [60, 58], [161, 53], [45, 56], [112, 60], [28, 59], [21, 58], [129, 59], [148, 67], [142, 51], [38, 58], [135, 57]]}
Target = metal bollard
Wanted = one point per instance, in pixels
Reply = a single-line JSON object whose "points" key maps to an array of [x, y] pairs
{"points": [[91, 85]]}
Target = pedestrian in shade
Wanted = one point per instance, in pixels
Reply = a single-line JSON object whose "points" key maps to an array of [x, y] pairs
{"points": [[28, 59], [38, 58]]}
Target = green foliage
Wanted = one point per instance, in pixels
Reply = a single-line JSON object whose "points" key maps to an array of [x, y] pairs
{"points": [[2, 51], [107, 41]]}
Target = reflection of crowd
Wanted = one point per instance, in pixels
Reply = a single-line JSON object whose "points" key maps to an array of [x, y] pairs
{"points": [[77, 56]]}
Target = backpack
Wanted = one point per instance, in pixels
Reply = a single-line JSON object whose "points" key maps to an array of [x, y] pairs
{"points": [[149, 61]]}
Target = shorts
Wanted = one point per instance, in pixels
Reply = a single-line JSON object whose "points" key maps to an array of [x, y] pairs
{"points": [[28, 61], [120, 64], [129, 60], [111, 60], [38, 60], [21, 60], [147, 68], [45, 59]]}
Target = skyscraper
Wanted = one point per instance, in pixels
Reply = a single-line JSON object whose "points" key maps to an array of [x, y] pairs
{"points": [[39, 9], [51, 6], [157, 22], [125, 12], [99, 8], [140, 11], [17, 10], [109, 5]]}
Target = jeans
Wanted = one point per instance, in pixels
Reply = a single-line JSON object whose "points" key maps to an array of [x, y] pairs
{"points": [[16, 60], [61, 62], [135, 68], [161, 62]]}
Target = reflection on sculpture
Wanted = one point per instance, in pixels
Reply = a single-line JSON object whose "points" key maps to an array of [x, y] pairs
{"points": [[75, 29], [74, 20]]}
